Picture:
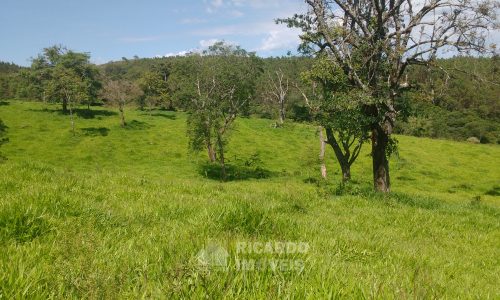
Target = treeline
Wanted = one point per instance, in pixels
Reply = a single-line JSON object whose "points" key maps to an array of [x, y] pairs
{"points": [[459, 101], [442, 104]]}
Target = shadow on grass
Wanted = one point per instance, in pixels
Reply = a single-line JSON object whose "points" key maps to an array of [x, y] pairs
{"points": [[366, 191], [494, 191], [94, 131], [137, 125], [161, 115], [4, 103], [91, 114], [234, 172], [80, 112]]}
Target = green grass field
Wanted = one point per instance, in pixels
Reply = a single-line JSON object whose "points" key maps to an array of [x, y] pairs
{"points": [[113, 212]]}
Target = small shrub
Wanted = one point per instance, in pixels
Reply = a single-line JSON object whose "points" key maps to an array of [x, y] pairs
{"points": [[247, 220], [473, 140], [476, 201]]}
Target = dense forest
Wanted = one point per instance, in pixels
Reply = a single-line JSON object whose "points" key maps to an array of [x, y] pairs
{"points": [[450, 104]]}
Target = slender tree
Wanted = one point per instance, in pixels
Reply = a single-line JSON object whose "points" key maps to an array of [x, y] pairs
{"points": [[120, 93], [277, 91], [224, 83], [338, 108], [373, 42], [70, 87]]}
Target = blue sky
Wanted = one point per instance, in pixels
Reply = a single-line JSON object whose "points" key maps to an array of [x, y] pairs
{"points": [[112, 29]]}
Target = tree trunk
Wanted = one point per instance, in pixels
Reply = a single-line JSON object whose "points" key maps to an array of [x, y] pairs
{"points": [[322, 152], [380, 141], [221, 158], [211, 153], [282, 111], [72, 120], [346, 172], [122, 115], [342, 158], [65, 105]]}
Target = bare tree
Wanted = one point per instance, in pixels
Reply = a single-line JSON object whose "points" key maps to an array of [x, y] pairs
{"points": [[120, 93], [375, 41], [277, 91]]}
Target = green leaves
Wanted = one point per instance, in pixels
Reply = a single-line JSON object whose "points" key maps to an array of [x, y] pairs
{"points": [[56, 64], [220, 85], [154, 87], [66, 84]]}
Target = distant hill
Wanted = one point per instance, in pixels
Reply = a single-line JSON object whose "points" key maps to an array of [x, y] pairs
{"points": [[8, 68]]}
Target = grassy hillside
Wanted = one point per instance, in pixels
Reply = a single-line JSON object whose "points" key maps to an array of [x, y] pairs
{"points": [[113, 213]]}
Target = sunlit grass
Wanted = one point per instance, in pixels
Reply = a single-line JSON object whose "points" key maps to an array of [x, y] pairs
{"points": [[122, 213]]}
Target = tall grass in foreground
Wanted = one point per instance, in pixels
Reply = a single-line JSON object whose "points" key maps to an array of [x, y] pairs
{"points": [[123, 213]]}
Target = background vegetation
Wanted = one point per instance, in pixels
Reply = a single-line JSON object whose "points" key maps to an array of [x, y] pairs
{"points": [[461, 107]]}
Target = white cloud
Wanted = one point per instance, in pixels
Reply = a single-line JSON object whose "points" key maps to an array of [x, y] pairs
{"points": [[208, 43], [280, 39], [213, 6], [172, 54], [204, 44]]}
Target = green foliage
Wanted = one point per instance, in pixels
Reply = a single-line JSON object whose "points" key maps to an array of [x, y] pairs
{"points": [[340, 108], [449, 103], [7, 68], [428, 120], [462, 84], [3, 138], [22, 225], [67, 85], [474, 99], [56, 60], [155, 90], [223, 82]]}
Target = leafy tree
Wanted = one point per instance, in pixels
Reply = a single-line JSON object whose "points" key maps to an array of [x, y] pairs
{"points": [[70, 87], [163, 69], [58, 57], [338, 108], [120, 93], [155, 89], [224, 83], [374, 42]]}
